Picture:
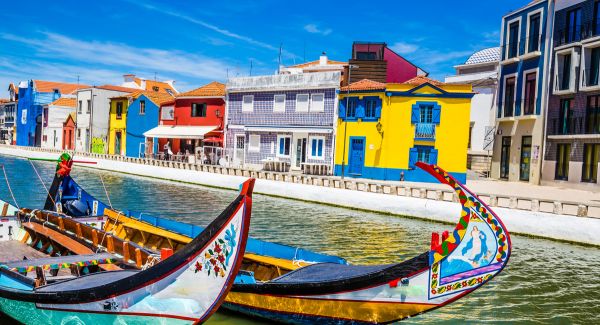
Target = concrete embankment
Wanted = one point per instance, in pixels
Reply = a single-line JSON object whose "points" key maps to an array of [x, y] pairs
{"points": [[436, 205]]}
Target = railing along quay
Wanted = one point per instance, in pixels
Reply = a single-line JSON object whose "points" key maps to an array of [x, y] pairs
{"points": [[591, 210]]}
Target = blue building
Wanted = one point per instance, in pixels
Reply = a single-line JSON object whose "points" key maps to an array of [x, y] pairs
{"points": [[142, 115], [33, 95], [522, 92]]}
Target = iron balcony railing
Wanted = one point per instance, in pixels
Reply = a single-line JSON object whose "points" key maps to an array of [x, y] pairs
{"points": [[575, 125], [507, 109], [576, 33], [515, 49], [425, 131], [528, 106]]}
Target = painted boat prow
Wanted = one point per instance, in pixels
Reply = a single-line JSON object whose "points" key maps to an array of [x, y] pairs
{"points": [[162, 292]]}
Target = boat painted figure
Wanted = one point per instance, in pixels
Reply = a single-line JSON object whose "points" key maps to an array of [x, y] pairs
{"points": [[319, 291], [156, 294]]}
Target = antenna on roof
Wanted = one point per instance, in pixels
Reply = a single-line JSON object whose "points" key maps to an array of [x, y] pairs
{"points": [[154, 75], [304, 51], [279, 59], [250, 67]]}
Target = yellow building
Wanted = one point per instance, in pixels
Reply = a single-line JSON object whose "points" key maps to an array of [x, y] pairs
{"points": [[117, 125], [383, 130]]}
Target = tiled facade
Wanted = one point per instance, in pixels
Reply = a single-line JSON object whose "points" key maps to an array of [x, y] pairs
{"points": [[270, 124], [573, 126]]}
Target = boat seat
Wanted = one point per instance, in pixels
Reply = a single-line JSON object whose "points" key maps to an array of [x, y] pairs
{"points": [[69, 259], [325, 272], [87, 281], [55, 236]]}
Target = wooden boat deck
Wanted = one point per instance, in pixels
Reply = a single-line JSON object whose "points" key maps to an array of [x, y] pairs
{"points": [[15, 250], [55, 236]]}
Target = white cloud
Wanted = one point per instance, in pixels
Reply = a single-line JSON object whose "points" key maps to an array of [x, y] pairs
{"points": [[126, 57], [314, 29], [404, 48]]}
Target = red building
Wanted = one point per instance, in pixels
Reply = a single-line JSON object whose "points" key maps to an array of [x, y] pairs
{"points": [[192, 121], [68, 138], [377, 62]]}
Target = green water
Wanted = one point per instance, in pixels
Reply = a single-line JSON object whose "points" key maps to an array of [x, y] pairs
{"points": [[545, 282]]}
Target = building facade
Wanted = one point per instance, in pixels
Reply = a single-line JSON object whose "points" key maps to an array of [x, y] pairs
{"points": [[9, 112], [522, 93], [383, 130], [480, 70], [33, 95], [53, 118], [68, 131], [142, 116], [288, 119], [117, 122], [573, 128], [192, 122], [93, 108]]}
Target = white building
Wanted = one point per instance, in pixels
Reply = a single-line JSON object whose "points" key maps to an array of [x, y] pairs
{"points": [[323, 64], [53, 118], [93, 108], [480, 70]]}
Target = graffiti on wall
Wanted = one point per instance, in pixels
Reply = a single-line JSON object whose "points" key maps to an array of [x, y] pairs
{"points": [[98, 145]]}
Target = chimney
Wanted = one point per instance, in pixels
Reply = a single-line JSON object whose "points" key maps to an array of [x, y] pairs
{"points": [[323, 59], [128, 77], [143, 84]]}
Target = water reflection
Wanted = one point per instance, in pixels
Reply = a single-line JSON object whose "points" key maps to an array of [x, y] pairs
{"points": [[545, 282]]}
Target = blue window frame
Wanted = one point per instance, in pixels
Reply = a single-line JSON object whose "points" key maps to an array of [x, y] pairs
{"points": [[426, 112], [426, 154], [316, 147], [285, 143], [352, 108]]}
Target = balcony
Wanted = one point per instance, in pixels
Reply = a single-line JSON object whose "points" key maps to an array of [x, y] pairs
{"points": [[576, 33], [574, 126], [564, 83], [507, 110], [530, 47], [425, 131]]}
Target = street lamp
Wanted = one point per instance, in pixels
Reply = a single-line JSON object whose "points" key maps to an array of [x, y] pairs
{"points": [[350, 67]]}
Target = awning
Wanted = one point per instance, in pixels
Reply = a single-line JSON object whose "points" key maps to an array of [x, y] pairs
{"points": [[179, 132], [292, 129], [213, 139]]}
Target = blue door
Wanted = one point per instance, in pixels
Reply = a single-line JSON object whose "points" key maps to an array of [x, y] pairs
{"points": [[357, 156]]}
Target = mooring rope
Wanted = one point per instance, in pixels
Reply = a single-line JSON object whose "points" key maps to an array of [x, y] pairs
{"points": [[119, 213], [105, 191], [41, 181], [9, 188]]}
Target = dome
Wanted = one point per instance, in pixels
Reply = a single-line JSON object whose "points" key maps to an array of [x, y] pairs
{"points": [[488, 55]]}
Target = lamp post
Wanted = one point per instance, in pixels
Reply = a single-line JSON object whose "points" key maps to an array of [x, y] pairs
{"points": [[350, 67]]}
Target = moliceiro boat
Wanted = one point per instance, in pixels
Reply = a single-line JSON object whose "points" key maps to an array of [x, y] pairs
{"points": [[186, 287], [316, 288]]}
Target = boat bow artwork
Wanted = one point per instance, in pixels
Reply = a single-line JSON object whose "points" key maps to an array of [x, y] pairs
{"points": [[185, 288]]}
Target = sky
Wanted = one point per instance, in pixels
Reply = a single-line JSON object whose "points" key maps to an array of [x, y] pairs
{"points": [[195, 42]]}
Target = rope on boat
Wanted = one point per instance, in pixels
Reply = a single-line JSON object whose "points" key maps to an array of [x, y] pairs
{"points": [[9, 188], [119, 213], [105, 191], [41, 181]]}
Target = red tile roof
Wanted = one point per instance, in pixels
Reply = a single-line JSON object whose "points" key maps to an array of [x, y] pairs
{"points": [[214, 88], [4, 100], [419, 80], [63, 88], [151, 84], [364, 84], [65, 102]]}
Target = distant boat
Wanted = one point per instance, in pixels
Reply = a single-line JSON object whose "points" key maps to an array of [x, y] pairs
{"points": [[277, 284], [185, 288]]}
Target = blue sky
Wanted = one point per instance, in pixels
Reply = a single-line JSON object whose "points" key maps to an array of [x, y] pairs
{"points": [[194, 42]]}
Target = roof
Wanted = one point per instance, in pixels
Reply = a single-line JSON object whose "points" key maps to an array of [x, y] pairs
{"points": [[4, 100], [214, 88], [65, 102], [72, 116], [157, 98], [419, 80], [317, 62], [150, 84], [488, 55], [117, 88], [64, 88], [364, 84]]}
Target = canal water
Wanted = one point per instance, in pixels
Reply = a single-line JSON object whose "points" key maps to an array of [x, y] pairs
{"points": [[544, 282]]}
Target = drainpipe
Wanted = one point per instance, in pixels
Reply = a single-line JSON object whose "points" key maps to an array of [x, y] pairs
{"points": [[91, 119], [544, 103]]}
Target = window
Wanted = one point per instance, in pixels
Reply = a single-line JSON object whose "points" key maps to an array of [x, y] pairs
{"points": [[366, 56], [351, 108], [509, 96], [426, 154], [247, 103], [155, 88], [119, 110], [426, 114], [45, 113], [596, 22], [89, 106], [317, 102], [563, 153], [423, 154], [142, 107], [505, 157], [279, 103], [316, 148], [78, 133], [533, 43], [167, 113], [302, 103], [513, 40], [254, 143], [593, 115], [573, 26], [525, 163], [530, 93], [591, 67], [590, 162], [169, 91], [565, 117], [198, 109], [371, 108], [284, 146], [79, 109]]}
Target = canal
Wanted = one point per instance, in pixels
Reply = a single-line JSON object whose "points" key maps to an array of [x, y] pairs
{"points": [[544, 282]]}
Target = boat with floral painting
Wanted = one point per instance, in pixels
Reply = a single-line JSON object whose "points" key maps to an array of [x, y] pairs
{"points": [[275, 284], [185, 287]]}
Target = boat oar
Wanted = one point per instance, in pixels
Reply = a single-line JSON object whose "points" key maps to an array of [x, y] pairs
{"points": [[54, 160]]}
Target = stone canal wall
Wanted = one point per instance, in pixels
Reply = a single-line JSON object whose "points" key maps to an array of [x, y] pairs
{"points": [[560, 220]]}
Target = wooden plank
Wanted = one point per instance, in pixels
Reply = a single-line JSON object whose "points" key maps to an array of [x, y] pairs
{"points": [[126, 256], [110, 244], [138, 258], [66, 242], [14, 250], [4, 209], [95, 237]]}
